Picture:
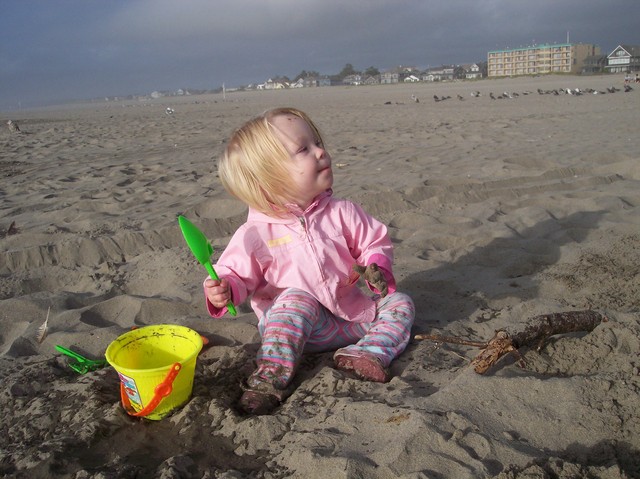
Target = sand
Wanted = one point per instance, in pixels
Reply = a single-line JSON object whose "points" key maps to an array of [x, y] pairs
{"points": [[500, 210]]}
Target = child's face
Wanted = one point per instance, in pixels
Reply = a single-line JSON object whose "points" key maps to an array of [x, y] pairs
{"points": [[310, 166]]}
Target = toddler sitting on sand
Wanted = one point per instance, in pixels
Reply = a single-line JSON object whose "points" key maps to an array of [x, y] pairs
{"points": [[299, 256]]}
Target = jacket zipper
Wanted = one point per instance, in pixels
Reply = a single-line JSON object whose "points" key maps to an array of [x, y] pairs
{"points": [[311, 245]]}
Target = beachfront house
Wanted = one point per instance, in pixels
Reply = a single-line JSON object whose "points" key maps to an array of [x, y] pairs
{"points": [[324, 80], [398, 74], [624, 59], [355, 79], [390, 76], [594, 64], [443, 73], [472, 72], [372, 80], [271, 84], [310, 82]]}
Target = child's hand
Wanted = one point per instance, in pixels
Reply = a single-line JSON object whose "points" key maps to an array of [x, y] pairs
{"points": [[374, 277], [217, 292]]}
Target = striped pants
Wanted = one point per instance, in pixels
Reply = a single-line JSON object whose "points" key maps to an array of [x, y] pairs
{"points": [[297, 323]]}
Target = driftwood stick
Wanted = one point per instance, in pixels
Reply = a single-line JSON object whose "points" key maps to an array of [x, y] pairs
{"points": [[498, 346], [543, 326], [451, 339], [537, 331]]}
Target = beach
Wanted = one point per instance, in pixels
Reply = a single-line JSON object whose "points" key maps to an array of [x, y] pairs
{"points": [[500, 210]]}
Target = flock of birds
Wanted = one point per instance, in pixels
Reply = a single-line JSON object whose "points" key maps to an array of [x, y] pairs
{"points": [[511, 95]]}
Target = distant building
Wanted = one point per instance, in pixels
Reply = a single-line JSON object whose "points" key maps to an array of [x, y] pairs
{"points": [[355, 79], [540, 59], [310, 82], [324, 80], [398, 74], [472, 72], [272, 84], [594, 64], [372, 80], [389, 77], [624, 59], [443, 73]]}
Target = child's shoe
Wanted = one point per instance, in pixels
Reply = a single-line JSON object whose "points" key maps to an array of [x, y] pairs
{"points": [[364, 365], [262, 398]]}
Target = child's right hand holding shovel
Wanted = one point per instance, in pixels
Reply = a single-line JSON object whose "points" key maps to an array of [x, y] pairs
{"points": [[217, 292]]}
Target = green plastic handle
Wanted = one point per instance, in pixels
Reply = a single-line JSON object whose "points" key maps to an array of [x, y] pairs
{"points": [[202, 250], [82, 365]]}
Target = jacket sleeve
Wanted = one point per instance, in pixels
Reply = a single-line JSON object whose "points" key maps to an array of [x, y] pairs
{"points": [[370, 243], [239, 265]]}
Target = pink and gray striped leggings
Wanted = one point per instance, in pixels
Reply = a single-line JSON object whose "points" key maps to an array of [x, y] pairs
{"points": [[297, 323]]}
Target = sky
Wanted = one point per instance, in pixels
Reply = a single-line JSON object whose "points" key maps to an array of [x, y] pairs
{"points": [[53, 51]]}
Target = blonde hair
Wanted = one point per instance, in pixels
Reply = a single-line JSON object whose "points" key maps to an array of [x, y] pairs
{"points": [[254, 167]]}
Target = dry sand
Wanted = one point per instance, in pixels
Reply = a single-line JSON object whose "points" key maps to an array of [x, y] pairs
{"points": [[500, 210]]}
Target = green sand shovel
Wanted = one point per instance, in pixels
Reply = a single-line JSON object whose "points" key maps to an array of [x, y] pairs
{"points": [[201, 249]]}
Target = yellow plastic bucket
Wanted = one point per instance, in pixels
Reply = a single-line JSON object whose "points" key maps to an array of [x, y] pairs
{"points": [[156, 365]]}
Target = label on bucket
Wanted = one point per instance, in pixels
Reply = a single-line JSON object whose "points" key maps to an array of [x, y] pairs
{"points": [[132, 391]]}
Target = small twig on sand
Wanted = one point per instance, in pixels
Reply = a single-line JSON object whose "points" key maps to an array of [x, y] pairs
{"points": [[539, 329], [459, 355], [451, 339]]}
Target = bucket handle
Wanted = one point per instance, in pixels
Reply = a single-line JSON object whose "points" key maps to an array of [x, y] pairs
{"points": [[161, 391]]}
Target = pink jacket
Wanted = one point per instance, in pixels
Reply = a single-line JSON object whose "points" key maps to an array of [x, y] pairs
{"points": [[311, 250]]}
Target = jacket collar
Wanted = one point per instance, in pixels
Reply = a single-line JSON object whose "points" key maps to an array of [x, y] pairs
{"points": [[296, 212]]}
